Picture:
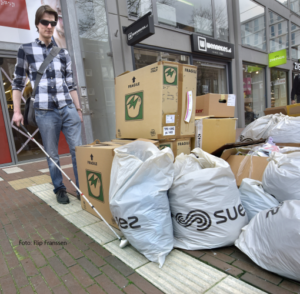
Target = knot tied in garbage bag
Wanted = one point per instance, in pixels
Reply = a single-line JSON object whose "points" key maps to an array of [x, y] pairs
{"points": [[205, 202], [141, 175]]}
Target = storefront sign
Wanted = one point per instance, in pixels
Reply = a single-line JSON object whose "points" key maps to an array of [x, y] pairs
{"points": [[212, 46], [140, 29], [277, 58], [17, 19]]}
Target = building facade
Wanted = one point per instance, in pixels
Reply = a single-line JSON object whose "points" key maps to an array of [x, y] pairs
{"points": [[228, 40]]}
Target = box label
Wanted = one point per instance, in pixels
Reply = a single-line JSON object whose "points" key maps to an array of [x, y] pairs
{"points": [[199, 134], [170, 75], [189, 107], [170, 118], [231, 100], [94, 183], [169, 131], [134, 106]]}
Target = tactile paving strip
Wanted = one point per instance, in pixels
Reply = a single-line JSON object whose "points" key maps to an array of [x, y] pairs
{"points": [[231, 285], [12, 170], [181, 273], [128, 254], [82, 219], [40, 188]]}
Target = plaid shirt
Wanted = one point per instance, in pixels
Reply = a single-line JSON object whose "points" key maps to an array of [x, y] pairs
{"points": [[57, 80]]}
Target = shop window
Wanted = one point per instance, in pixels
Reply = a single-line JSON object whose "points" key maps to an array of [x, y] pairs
{"points": [[137, 8], [295, 6], [279, 93], [295, 41], [211, 78], [254, 91], [280, 39], [252, 16], [221, 20], [144, 57]]}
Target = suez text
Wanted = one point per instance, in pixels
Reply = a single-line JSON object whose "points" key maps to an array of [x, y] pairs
{"points": [[221, 214], [131, 222]]}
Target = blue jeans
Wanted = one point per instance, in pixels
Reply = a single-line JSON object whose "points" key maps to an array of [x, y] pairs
{"points": [[50, 123]]}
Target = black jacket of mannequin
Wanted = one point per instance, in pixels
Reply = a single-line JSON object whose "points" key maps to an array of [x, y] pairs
{"points": [[296, 89]]}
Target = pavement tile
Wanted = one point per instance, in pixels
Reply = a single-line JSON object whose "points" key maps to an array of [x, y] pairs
{"points": [[7, 285], [132, 289], [84, 237], [12, 260], [237, 254], [94, 258], [38, 258], [26, 290], [99, 249], [19, 276], [89, 267], [58, 266], [95, 289], [143, 284], [39, 285], [73, 251], [50, 276], [60, 290], [21, 252], [73, 286], [264, 285], [46, 251], [291, 286], [81, 276], [220, 255], [29, 267], [115, 276], [108, 286], [228, 268], [119, 265], [195, 253], [3, 267], [258, 271], [79, 244], [66, 257]]}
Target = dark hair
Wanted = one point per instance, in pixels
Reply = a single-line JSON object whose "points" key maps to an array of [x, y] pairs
{"points": [[40, 12]]}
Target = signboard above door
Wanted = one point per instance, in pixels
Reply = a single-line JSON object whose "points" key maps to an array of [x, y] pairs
{"points": [[277, 58], [203, 44], [140, 29]]}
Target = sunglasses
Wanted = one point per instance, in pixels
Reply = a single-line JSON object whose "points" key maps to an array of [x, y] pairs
{"points": [[46, 23]]}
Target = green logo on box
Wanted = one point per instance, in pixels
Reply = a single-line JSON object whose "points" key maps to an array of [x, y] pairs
{"points": [[170, 75], [94, 182], [163, 146], [134, 104], [277, 58]]}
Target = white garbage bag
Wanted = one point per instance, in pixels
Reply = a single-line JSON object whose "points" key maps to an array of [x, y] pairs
{"points": [[205, 202], [281, 177], [272, 239], [286, 130], [254, 198], [141, 175], [259, 128]]}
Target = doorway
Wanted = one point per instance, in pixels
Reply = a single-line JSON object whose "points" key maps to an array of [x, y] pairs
{"points": [[17, 146], [211, 77]]}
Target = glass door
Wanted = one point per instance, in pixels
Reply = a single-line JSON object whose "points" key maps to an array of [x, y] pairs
{"points": [[211, 77]]}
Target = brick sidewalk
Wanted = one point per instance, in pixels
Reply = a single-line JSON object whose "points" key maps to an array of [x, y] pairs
{"points": [[83, 266]]}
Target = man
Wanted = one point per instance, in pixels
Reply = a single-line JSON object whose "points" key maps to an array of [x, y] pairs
{"points": [[56, 102], [59, 32]]}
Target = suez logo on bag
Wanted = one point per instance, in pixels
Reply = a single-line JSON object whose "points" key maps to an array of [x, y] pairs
{"points": [[203, 45], [130, 222], [94, 183], [134, 104], [203, 219]]}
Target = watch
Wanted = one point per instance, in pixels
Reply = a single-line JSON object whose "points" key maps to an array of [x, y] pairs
{"points": [[79, 109]]}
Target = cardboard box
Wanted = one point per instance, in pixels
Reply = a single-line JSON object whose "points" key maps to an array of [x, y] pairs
{"points": [[212, 133], [178, 146], [94, 165], [153, 102], [291, 110], [258, 165], [218, 105], [124, 141]]}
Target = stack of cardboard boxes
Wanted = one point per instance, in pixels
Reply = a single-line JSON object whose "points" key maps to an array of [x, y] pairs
{"points": [[154, 103]]}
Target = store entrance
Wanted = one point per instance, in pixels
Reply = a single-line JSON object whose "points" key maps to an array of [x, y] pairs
{"points": [[16, 145], [211, 77]]}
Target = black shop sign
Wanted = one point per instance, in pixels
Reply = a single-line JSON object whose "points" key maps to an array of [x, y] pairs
{"points": [[203, 44], [140, 29]]}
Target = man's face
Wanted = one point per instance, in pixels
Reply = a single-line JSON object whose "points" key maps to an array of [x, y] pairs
{"points": [[55, 4], [46, 31]]}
